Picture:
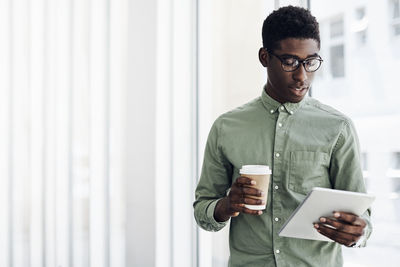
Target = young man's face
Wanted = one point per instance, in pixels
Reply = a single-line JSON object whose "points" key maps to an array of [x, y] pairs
{"points": [[289, 86]]}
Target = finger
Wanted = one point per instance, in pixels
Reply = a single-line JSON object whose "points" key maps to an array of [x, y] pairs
{"points": [[338, 240], [344, 242], [340, 237], [235, 214], [349, 218], [243, 209], [242, 180], [343, 227], [253, 201], [243, 199], [237, 195], [235, 209], [252, 191]]}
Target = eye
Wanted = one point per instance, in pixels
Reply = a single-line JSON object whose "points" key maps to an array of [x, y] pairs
{"points": [[290, 61], [312, 62]]}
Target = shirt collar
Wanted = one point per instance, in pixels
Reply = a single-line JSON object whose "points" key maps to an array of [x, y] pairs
{"points": [[272, 105]]}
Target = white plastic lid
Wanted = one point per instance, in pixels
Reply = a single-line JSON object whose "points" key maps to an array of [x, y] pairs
{"points": [[255, 169]]}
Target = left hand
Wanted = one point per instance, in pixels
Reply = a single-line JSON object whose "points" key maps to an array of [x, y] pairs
{"points": [[344, 228]]}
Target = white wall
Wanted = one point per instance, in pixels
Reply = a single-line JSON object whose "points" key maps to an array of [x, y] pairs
{"points": [[161, 134]]}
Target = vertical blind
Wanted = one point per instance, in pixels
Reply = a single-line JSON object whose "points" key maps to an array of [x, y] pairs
{"points": [[62, 74]]}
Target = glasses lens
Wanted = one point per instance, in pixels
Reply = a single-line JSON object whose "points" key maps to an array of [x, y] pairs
{"points": [[312, 64], [290, 64]]}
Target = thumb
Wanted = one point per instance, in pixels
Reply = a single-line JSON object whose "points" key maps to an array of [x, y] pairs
{"points": [[235, 214]]}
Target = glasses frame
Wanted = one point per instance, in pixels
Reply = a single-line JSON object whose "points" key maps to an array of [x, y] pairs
{"points": [[301, 62]]}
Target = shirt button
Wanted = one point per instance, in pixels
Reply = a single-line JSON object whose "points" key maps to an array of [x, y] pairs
{"points": [[277, 251], [277, 155], [276, 219], [280, 124], [291, 112], [276, 187], [272, 111], [282, 108]]}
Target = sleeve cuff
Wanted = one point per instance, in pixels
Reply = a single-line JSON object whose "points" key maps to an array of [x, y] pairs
{"points": [[210, 214], [362, 242]]}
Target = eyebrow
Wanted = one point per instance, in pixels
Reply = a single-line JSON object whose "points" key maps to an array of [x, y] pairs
{"points": [[290, 55]]}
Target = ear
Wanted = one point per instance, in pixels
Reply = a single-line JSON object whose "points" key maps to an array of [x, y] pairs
{"points": [[263, 57]]}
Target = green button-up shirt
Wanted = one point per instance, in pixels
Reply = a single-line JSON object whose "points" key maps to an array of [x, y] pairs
{"points": [[306, 144]]}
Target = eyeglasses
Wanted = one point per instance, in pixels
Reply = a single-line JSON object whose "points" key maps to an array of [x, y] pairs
{"points": [[290, 63]]}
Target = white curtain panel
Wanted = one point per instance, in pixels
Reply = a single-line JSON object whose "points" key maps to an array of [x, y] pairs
{"points": [[62, 80]]}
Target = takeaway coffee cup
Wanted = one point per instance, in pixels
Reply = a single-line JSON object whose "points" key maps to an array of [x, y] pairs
{"points": [[261, 174]]}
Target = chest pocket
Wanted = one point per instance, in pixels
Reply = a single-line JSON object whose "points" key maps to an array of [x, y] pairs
{"points": [[307, 170]]}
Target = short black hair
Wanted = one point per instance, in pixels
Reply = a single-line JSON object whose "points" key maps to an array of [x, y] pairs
{"points": [[289, 22]]}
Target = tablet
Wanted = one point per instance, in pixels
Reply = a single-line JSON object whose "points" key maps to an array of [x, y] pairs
{"points": [[322, 202]]}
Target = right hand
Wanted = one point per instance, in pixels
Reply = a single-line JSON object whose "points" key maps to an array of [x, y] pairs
{"points": [[241, 193]]}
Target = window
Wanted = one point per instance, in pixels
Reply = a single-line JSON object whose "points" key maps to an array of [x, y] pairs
{"points": [[394, 176], [365, 167], [364, 161], [396, 187], [394, 166], [361, 37], [394, 9], [360, 13], [396, 29], [337, 63], [337, 28], [337, 60], [395, 160], [380, 163], [360, 26]]}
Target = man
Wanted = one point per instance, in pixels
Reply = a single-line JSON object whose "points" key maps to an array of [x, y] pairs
{"points": [[306, 143]]}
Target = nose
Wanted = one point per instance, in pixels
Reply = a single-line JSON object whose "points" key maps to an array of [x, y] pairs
{"points": [[300, 74]]}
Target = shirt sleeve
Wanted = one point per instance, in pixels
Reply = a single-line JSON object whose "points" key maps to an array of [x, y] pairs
{"points": [[215, 180], [345, 169]]}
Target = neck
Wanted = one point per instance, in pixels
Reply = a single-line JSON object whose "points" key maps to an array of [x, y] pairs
{"points": [[270, 92]]}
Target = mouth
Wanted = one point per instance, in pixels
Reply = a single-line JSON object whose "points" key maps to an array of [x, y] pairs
{"points": [[298, 89]]}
